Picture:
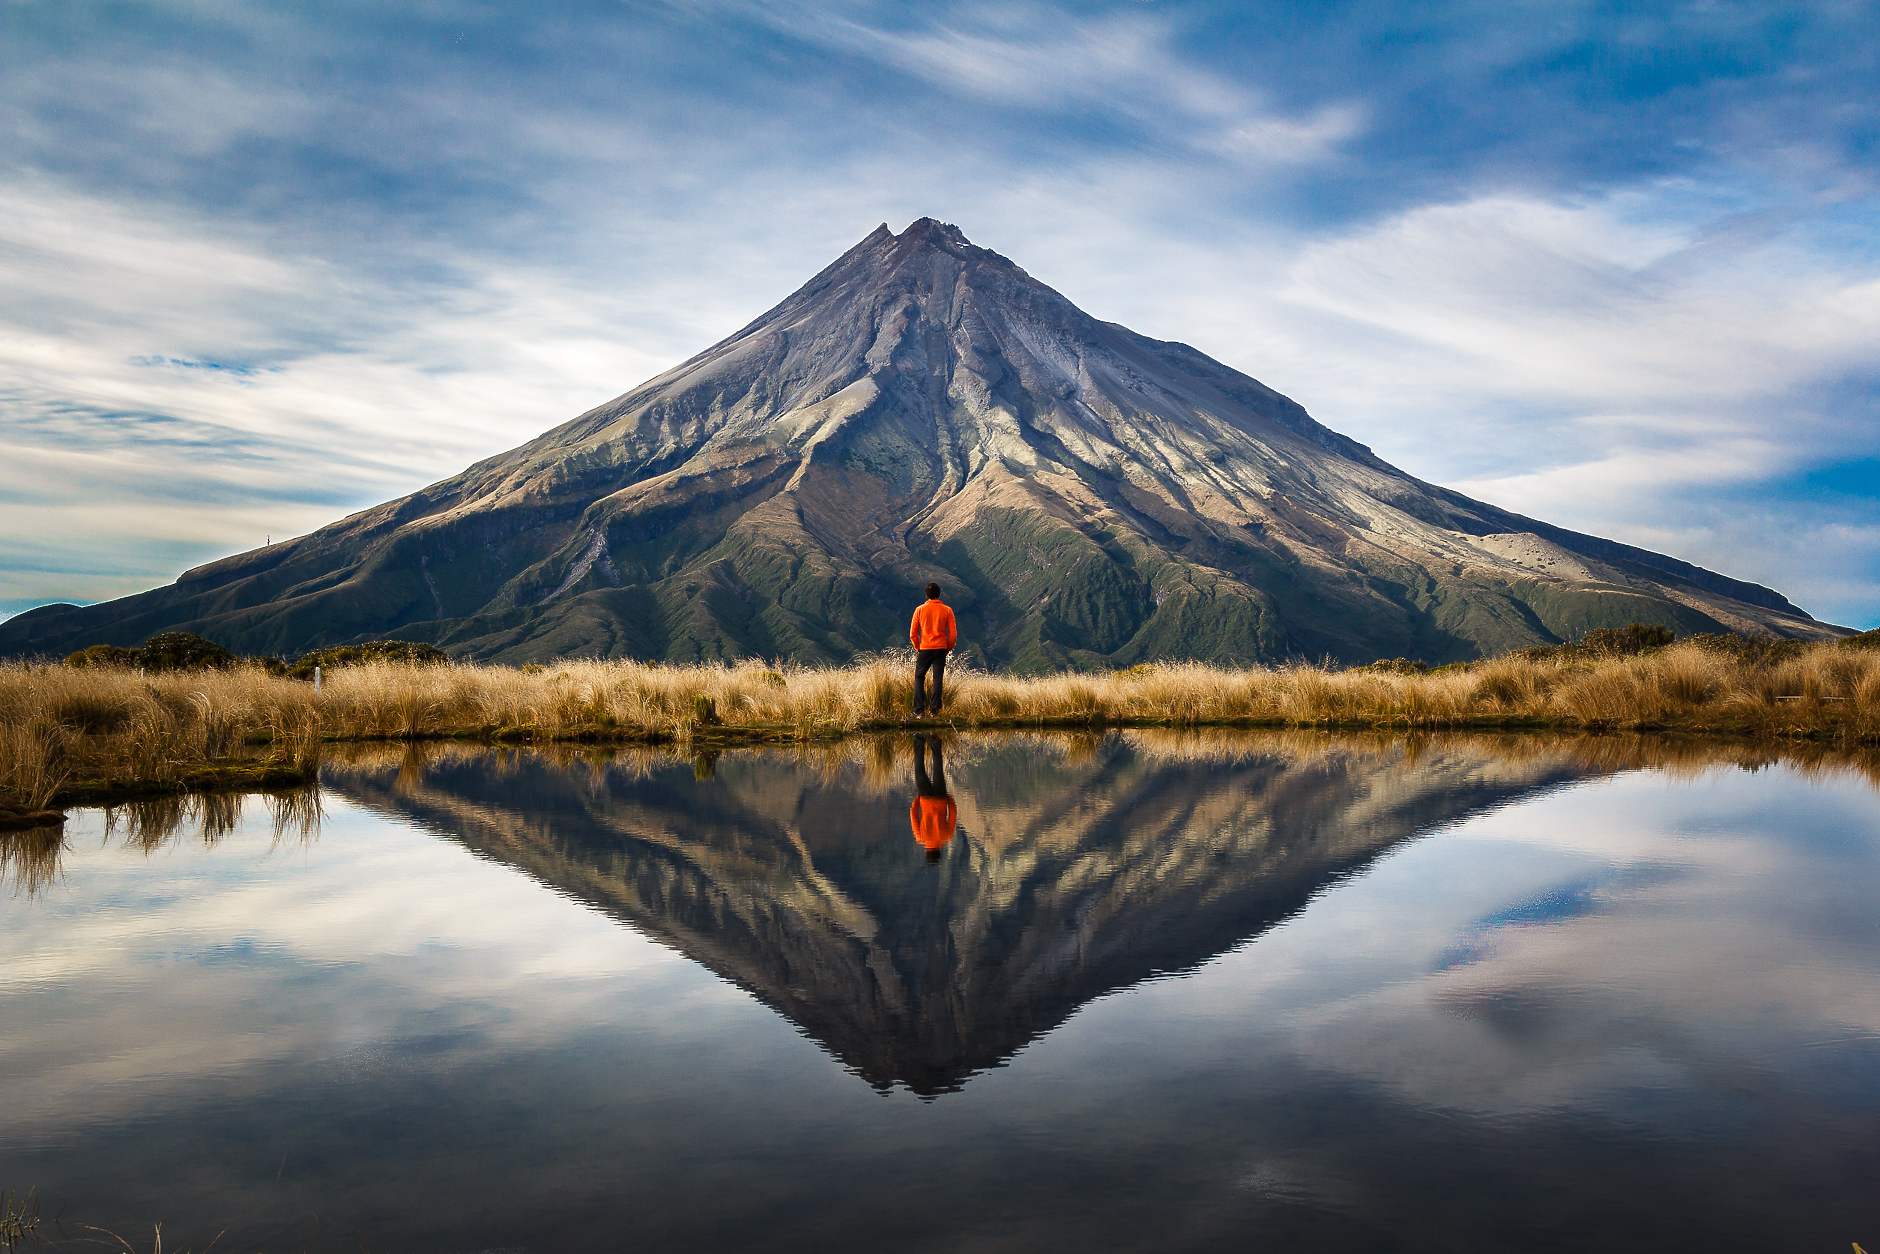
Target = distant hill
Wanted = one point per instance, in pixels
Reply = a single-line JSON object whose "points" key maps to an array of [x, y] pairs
{"points": [[923, 410]]}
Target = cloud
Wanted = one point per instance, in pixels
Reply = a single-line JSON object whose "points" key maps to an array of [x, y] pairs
{"points": [[230, 919], [1627, 375], [167, 382], [1583, 302], [1122, 64], [1561, 953]]}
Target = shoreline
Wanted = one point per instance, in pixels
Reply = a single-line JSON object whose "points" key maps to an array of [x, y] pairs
{"points": [[276, 774], [107, 734]]}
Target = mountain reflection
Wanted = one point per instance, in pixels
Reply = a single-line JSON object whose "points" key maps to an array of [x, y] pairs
{"points": [[1040, 872]]}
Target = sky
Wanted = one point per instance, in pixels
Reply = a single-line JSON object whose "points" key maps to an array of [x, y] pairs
{"points": [[1612, 266]]}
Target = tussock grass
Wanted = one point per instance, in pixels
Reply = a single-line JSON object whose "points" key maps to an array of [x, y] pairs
{"points": [[61, 725]]}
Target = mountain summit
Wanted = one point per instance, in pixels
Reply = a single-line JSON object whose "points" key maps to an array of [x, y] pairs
{"points": [[923, 410]]}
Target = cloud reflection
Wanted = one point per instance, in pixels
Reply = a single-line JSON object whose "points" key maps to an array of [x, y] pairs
{"points": [[1218, 968]]}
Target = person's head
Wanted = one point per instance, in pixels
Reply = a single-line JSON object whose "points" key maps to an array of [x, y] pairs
{"points": [[933, 592]]}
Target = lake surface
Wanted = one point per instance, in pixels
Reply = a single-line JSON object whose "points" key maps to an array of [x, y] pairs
{"points": [[1141, 991]]}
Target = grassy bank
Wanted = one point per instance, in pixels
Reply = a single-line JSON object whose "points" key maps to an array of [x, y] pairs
{"points": [[72, 734]]}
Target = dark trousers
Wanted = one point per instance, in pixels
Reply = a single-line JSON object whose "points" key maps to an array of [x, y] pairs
{"points": [[925, 660]]}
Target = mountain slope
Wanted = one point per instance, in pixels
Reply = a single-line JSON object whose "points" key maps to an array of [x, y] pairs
{"points": [[924, 409]]}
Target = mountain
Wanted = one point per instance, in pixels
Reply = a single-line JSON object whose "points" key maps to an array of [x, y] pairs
{"points": [[1072, 875], [923, 410]]}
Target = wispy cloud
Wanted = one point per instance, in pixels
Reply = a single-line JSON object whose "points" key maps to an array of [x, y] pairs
{"points": [[166, 382]]}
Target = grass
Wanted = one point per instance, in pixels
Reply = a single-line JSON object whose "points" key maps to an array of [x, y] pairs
{"points": [[99, 732], [19, 1217]]}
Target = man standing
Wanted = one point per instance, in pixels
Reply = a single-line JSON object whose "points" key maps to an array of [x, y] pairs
{"points": [[933, 633]]}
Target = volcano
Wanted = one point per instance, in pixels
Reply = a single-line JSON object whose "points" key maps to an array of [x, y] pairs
{"points": [[925, 410]]}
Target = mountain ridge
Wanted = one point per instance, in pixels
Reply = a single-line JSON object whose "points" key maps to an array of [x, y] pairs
{"points": [[923, 409]]}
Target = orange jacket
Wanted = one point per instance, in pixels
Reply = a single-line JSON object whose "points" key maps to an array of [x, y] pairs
{"points": [[933, 820], [933, 627]]}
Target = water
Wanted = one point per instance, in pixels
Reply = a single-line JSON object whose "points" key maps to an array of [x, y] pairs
{"points": [[1157, 992]]}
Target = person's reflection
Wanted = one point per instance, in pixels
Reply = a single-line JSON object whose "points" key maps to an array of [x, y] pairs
{"points": [[932, 815]]}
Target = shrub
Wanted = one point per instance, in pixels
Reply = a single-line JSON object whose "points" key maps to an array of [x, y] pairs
{"points": [[1628, 641], [1749, 651], [182, 651], [1397, 666], [103, 655], [1865, 640], [410, 652]]}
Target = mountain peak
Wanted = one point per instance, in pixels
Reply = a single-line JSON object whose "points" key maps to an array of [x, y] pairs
{"points": [[924, 410], [921, 229]]}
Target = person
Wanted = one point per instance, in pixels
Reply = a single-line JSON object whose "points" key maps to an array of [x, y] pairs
{"points": [[933, 815], [933, 632]]}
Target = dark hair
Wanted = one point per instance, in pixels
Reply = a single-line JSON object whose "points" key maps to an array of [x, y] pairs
{"points": [[933, 592]]}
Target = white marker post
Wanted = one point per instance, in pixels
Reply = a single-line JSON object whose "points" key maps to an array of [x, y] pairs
{"points": [[316, 679]]}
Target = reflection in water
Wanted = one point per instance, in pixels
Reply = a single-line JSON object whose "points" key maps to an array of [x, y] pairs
{"points": [[1082, 864], [30, 860], [1582, 1018], [152, 823], [933, 815]]}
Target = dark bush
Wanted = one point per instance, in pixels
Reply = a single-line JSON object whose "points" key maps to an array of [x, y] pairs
{"points": [[1628, 641], [412, 652], [1602, 642], [181, 651], [1397, 666], [103, 655], [1751, 651]]}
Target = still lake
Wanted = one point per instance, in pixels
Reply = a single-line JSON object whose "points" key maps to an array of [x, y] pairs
{"points": [[1138, 991]]}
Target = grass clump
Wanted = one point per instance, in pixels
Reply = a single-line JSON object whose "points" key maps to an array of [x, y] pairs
{"points": [[19, 1217]]}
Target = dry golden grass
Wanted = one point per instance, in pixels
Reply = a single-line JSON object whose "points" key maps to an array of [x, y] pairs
{"points": [[60, 725]]}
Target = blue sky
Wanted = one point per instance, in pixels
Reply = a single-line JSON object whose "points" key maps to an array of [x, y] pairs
{"points": [[1617, 267]]}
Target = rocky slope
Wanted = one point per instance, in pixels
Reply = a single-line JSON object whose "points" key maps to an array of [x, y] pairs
{"points": [[923, 410]]}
